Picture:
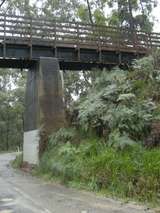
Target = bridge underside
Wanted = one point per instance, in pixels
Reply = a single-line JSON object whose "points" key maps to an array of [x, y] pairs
{"points": [[70, 58]]}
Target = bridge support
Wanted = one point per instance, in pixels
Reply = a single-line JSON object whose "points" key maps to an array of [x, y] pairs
{"points": [[44, 106]]}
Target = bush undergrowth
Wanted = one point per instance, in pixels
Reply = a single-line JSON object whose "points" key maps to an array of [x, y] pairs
{"points": [[17, 162], [104, 151], [133, 172]]}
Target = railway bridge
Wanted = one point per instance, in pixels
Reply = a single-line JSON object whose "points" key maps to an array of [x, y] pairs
{"points": [[45, 47]]}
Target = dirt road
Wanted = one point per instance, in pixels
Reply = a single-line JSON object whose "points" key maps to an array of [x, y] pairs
{"points": [[22, 193]]}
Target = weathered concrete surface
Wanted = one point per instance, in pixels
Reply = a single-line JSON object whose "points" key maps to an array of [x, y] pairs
{"points": [[31, 99], [21, 193], [50, 95], [44, 97], [44, 103]]}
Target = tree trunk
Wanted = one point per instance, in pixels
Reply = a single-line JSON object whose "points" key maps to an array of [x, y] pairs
{"points": [[131, 19], [2, 3], [142, 7], [90, 13], [7, 132], [119, 13], [27, 9]]}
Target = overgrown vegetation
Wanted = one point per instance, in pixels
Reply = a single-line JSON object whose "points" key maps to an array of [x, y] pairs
{"points": [[12, 87], [106, 149], [17, 162], [132, 172], [122, 102]]}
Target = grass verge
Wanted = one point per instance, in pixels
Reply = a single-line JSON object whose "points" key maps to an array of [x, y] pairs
{"points": [[17, 162], [133, 173]]}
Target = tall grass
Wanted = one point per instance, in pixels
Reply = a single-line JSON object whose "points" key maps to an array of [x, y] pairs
{"points": [[131, 173]]}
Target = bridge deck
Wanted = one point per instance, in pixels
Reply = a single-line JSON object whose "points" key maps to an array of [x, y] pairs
{"points": [[77, 45]]}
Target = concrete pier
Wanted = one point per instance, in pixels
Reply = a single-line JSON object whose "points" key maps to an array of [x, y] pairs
{"points": [[44, 106]]}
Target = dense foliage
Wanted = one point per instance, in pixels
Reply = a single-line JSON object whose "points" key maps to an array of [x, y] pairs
{"points": [[104, 150], [123, 102], [12, 84], [133, 172]]}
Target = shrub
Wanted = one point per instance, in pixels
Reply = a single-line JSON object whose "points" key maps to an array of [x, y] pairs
{"points": [[17, 163], [120, 142], [62, 136], [133, 172], [115, 105]]}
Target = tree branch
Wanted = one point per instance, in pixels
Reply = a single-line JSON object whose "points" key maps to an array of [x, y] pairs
{"points": [[2, 3], [90, 13]]}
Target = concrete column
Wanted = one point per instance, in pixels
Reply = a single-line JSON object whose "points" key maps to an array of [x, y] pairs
{"points": [[44, 105]]}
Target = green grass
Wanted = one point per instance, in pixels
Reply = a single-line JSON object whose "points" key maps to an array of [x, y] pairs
{"points": [[17, 162], [133, 173]]}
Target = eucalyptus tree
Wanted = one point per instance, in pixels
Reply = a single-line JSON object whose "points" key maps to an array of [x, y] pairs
{"points": [[12, 86], [20, 7], [92, 11], [134, 14]]}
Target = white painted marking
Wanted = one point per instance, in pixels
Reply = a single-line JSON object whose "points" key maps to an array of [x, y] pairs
{"points": [[46, 211], [26, 196], [6, 200], [6, 211], [31, 147]]}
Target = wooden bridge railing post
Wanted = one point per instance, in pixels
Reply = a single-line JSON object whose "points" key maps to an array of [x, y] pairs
{"points": [[31, 34], [55, 38], [134, 39], [4, 40], [78, 42], [99, 46], [150, 39], [118, 39], [146, 40], [119, 33]]}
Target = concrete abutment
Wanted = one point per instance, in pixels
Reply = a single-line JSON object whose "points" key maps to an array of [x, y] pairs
{"points": [[44, 106]]}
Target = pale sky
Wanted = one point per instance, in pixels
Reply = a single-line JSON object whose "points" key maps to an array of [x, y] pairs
{"points": [[156, 14]]}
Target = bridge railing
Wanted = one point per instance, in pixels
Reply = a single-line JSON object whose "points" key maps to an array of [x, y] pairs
{"points": [[31, 31]]}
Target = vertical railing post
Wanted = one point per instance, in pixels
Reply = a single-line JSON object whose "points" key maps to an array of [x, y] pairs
{"points": [[4, 40], [78, 34], [150, 39], [119, 34], [55, 38], [147, 39], [135, 39], [100, 54], [31, 38], [99, 44], [119, 38], [78, 42]]}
